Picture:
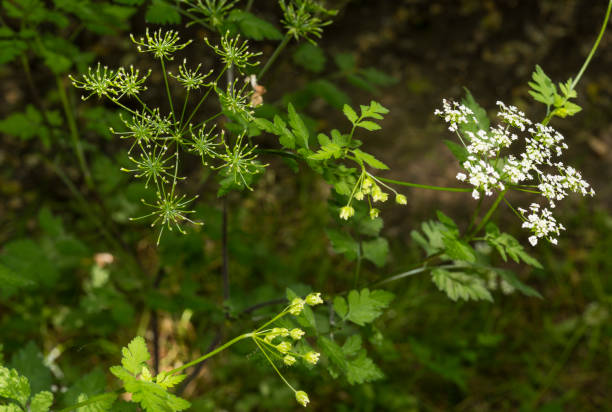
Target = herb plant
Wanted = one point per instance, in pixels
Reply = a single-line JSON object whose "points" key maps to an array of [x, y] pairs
{"points": [[217, 117]]}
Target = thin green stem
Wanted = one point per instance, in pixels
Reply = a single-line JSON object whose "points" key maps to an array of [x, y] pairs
{"points": [[474, 215], [595, 46], [124, 107], [488, 215], [204, 98], [144, 105], [513, 209], [211, 353], [213, 117], [249, 5], [272, 363], [74, 133], [412, 272], [275, 318], [440, 188], [161, 59], [353, 131], [274, 56], [193, 18], [525, 190], [550, 114], [281, 153], [184, 107]]}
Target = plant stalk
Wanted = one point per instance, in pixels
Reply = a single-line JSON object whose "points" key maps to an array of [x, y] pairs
{"points": [[74, 133], [211, 353], [274, 56], [420, 186]]}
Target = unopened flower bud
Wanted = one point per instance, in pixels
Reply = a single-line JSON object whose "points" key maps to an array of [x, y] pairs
{"points": [[346, 212], [289, 360], [378, 195], [302, 398], [296, 306], [374, 213], [314, 299], [283, 347], [297, 333], [312, 357], [401, 199]]}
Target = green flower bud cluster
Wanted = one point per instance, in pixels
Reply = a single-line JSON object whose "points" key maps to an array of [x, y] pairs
{"points": [[160, 140], [368, 186], [301, 18], [278, 342]]}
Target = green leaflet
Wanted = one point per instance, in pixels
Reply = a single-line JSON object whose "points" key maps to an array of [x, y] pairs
{"points": [[443, 236], [460, 285], [253, 27], [327, 151], [41, 402], [297, 136], [30, 363], [135, 355], [103, 403], [29, 124], [161, 12], [345, 61], [15, 387], [362, 307], [542, 88], [11, 48], [343, 243], [506, 245], [309, 57], [370, 160], [374, 111], [298, 127], [482, 121], [349, 113], [350, 360], [376, 251], [88, 385], [329, 92], [137, 380], [459, 151]]}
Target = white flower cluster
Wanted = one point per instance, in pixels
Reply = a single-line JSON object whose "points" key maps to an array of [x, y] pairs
{"points": [[454, 114], [541, 223], [535, 169]]}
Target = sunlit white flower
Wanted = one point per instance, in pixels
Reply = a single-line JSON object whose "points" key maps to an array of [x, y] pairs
{"points": [[455, 114]]}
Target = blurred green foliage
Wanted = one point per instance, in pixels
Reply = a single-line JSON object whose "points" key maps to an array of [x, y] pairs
{"points": [[78, 280]]}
